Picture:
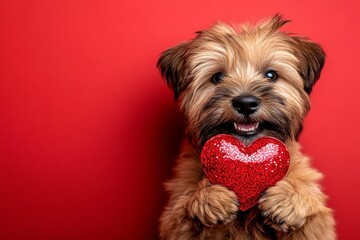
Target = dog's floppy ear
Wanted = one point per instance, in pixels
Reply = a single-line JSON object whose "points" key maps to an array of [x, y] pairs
{"points": [[172, 65], [311, 60]]}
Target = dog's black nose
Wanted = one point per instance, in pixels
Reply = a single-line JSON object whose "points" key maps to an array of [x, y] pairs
{"points": [[246, 104]]}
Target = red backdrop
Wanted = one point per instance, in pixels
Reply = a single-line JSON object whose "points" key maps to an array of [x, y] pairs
{"points": [[89, 131]]}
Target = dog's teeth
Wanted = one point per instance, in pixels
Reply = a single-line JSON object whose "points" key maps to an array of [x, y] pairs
{"points": [[246, 127]]}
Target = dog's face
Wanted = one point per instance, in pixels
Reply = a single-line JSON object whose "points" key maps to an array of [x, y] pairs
{"points": [[247, 83]]}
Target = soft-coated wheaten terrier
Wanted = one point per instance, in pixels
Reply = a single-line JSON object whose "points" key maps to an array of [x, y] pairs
{"points": [[247, 81]]}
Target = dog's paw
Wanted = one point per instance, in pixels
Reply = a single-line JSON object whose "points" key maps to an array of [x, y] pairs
{"points": [[284, 208], [213, 204]]}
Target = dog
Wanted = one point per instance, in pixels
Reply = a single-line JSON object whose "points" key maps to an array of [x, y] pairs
{"points": [[248, 81]]}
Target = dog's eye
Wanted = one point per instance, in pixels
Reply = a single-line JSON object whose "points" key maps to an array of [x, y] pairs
{"points": [[217, 77], [272, 75]]}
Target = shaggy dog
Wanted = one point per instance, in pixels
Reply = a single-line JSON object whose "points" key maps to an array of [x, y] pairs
{"points": [[249, 82]]}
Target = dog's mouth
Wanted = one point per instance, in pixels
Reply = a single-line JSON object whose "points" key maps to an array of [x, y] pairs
{"points": [[246, 129]]}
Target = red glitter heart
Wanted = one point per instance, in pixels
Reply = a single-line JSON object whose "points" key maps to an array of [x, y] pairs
{"points": [[246, 170]]}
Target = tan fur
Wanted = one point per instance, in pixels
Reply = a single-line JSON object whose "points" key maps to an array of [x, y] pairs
{"points": [[295, 208]]}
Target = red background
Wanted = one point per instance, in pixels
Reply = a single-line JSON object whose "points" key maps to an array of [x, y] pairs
{"points": [[89, 131]]}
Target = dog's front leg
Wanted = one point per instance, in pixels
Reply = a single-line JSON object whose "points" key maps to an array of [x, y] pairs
{"points": [[296, 206], [212, 204], [195, 206]]}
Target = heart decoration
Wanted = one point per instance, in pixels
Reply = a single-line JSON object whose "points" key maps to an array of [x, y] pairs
{"points": [[246, 170]]}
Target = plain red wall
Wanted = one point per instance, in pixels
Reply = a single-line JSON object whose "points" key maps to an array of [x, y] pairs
{"points": [[89, 131]]}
